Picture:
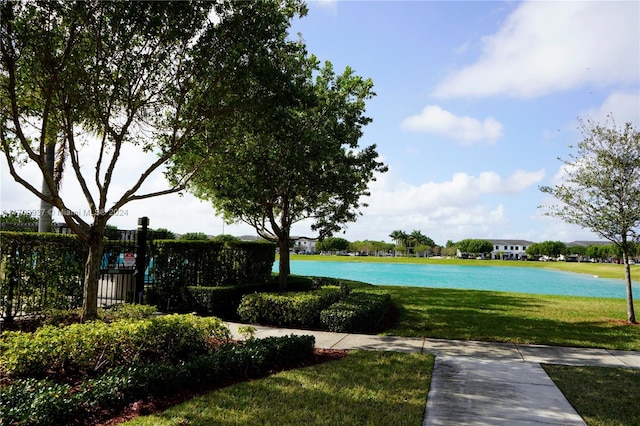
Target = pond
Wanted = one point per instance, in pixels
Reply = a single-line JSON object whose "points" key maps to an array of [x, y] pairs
{"points": [[498, 278]]}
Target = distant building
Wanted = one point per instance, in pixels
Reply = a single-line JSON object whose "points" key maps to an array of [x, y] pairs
{"points": [[510, 249], [304, 245]]}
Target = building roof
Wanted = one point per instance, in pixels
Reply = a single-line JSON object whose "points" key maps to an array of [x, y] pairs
{"points": [[511, 242]]}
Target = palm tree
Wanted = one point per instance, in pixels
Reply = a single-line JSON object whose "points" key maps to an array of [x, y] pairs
{"points": [[416, 238], [400, 238]]}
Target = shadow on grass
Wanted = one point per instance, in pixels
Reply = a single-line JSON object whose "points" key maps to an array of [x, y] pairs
{"points": [[503, 317], [365, 388]]}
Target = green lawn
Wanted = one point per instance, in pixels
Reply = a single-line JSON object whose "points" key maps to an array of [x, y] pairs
{"points": [[602, 396], [365, 388], [513, 317]]}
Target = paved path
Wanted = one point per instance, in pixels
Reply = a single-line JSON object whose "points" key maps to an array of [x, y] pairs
{"points": [[480, 383]]}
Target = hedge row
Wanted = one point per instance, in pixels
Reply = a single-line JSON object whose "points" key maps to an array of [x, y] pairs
{"points": [[329, 308], [46, 271], [288, 309], [361, 311], [45, 402], [219, 301], [223, 301], [97, 346]]}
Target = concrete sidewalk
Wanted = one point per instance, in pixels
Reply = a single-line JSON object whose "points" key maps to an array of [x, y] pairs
{"points": [[481, 383]]}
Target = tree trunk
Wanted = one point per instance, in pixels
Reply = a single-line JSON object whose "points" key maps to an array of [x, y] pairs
{"points": [[283, 269], [631, 315], [91, 276], [45, 220]]}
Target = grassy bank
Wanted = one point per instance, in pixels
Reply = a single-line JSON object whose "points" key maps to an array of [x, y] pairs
{"points": [[513, 317], [604, 270]]}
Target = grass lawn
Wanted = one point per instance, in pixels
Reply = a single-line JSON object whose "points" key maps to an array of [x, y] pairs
{"points": [[602, 396], [365, 388], [513, 317]]}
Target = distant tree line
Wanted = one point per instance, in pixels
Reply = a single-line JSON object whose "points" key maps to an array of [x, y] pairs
{"points": [[555, 249]]}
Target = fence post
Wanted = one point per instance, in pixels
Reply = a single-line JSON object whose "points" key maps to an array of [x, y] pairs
{"points": [[141, 258], [13, 280]]}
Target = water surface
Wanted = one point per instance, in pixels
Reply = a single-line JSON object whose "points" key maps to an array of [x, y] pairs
{"points": [[499, 278]]}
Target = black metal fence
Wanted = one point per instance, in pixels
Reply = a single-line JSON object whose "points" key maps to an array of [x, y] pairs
{"points": [[36, 276], [39, 272]]}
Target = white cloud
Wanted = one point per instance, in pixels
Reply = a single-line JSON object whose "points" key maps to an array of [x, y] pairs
{"points": [[624, 106], [453, 209], [467, 130], [544, 47], [390, 198]]}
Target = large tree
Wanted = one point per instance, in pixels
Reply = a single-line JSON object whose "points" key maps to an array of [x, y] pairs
{"points": [[601, 189], [112, 74], [296, 157]]}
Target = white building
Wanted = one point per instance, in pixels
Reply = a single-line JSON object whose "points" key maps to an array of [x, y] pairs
{"points": [[510, 249], [304, 245]]}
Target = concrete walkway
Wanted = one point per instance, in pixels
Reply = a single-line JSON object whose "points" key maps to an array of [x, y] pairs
{"points": [[480, 383]]}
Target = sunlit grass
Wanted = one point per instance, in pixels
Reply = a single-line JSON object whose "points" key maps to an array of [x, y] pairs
{"points": [[365, 388]]}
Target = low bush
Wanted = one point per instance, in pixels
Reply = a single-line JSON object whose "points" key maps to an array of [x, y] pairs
{"points": [[360, 311], [96, 346], [221, 301], [126, 311], [45, 402], [288, 309]]}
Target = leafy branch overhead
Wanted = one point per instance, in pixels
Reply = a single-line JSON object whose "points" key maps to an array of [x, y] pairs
{"points": [[93, 79], [295, 155]]}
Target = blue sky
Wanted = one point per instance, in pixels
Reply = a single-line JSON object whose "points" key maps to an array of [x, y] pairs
{"points": [[475, 103]]}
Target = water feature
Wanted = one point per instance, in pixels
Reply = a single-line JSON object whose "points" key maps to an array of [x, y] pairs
{"points": [[499, 278]]}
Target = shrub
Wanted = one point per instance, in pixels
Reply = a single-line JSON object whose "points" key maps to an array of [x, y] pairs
{"points": [[126, 311], [43, 402], [288, 309], [219, 301], [36, 402], [360, 312], [97, 346]]}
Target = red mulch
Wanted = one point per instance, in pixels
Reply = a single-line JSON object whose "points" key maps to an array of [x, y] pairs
{"points": [[153, 405]]}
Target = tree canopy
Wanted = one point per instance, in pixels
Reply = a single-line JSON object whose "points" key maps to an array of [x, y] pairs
{"points": [[548, 248], [601, 189], [332, 244], [295, 156], [115, 74], [475, 246]]}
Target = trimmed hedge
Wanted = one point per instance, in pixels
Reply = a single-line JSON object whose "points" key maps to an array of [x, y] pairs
{"points": [[288, 309], [222, 302], [97, 346], [360, 311], [45, 402]]}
